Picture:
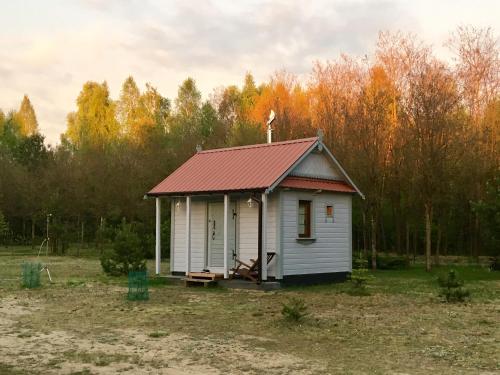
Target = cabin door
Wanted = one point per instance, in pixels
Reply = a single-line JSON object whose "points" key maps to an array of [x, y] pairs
{"points": [[215, 231]]}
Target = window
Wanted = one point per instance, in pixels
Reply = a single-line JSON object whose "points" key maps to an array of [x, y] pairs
{"points": [[329, 213], [304, 219]]}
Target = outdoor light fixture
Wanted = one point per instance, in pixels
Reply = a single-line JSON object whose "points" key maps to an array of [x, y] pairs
{"points": [[252, 200], [178, 204]]}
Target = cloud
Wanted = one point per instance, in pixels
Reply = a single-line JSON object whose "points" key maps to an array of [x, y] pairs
{"points": [[215, 42]]}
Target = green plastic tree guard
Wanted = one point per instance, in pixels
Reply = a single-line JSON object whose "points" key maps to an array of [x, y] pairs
{"points": [[138, 286], [31, 274]]}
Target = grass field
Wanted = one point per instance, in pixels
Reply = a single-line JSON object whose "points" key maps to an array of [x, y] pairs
{"points": [[83, 324]]}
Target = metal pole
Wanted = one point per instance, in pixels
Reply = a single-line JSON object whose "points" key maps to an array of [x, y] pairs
{"points": [[158, 237], [259, 245], [48, 219], [263, 240], [226, 235]]}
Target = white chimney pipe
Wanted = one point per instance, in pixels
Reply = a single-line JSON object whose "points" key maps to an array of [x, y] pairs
{"points": [[272, 116]]}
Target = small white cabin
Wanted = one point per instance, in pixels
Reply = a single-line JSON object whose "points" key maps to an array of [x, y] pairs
{"points": [[296, 190]]}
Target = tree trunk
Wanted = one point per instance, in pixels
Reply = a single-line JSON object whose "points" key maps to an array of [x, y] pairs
{"points": [[82, 236], [24, 230], [374, 242], [445, 247], [415, 240], [398, 236], [428, 222], [438, 245], [396, 213], [476, 237], [365, 242], [382, 233], [407, 242], [32, 232]]}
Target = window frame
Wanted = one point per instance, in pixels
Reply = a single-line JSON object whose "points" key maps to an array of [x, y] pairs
{"points": [[307, 218], [329, 218], [302, 196]]}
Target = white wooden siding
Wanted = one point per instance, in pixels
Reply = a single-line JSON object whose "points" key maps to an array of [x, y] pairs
{"points": [[272, 219], [331, 250], [198, 235], [216, 245], [317, 165], [179, 237], [248, 231]]}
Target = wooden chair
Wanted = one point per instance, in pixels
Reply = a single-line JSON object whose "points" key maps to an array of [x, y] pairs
{"points": [[249, 271]]}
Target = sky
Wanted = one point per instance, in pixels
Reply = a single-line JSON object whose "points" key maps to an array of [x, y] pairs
{"points": [[49, 49]]}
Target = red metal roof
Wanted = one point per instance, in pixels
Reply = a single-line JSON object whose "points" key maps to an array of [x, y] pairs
{"points": [[316, 184], [254, 167]]}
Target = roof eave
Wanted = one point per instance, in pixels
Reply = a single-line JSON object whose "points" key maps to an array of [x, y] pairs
{"points": [[200, 193], [342, 170]]}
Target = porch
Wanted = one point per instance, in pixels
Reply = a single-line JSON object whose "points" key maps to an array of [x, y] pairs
{"points": [[212, 233], [229, 283]]}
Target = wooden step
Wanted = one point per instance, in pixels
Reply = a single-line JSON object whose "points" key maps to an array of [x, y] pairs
{"points": [[205, 275], [197, 282]]}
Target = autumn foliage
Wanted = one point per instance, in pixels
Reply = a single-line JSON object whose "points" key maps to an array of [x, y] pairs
{"points": [[418, 135]]}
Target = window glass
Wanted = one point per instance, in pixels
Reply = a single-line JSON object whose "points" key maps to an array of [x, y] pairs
{"points": [[304, 219], [329, 213]]}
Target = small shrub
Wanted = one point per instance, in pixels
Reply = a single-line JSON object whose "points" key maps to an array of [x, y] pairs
{"points": [[158, 334], [295, 310], [127, 255], [452, 288], [359, 280], [390, 262], [494, 264], [359, 262], [4, 229]]}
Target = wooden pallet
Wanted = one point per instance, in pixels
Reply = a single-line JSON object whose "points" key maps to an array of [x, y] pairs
{"points": [[188, 281], [205, 275]]}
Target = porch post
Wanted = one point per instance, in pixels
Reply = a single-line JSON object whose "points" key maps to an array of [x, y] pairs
{"points": [[188, 234], [264, 237], [158, 236], [226, 234]]}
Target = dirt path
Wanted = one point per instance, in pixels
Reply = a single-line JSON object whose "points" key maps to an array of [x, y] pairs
{"points": [[130, 351]]}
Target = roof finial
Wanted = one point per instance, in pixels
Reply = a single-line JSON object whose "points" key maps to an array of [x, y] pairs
{"points": [[198, 148], [320, 135], [272, 116]]}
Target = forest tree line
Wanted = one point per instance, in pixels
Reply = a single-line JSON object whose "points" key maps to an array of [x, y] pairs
{"points": [[417, 134]]}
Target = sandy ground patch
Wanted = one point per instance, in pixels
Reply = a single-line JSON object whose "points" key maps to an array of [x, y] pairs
{"points": [[129, 351]]}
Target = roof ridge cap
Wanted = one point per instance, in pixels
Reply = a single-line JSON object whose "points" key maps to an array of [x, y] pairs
{"points": [[317, 178], [259, 145]]}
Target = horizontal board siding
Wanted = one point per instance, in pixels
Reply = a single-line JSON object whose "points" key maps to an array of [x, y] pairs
{"points": [[199, 229], [248, 231], [272, 217], [216, 212], [317, 166], [216, 240], [198, 235], [180, 238], [331, 251]]}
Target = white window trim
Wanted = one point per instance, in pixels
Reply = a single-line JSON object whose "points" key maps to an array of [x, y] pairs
{"points": [[306, 197], [329, 203]]}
